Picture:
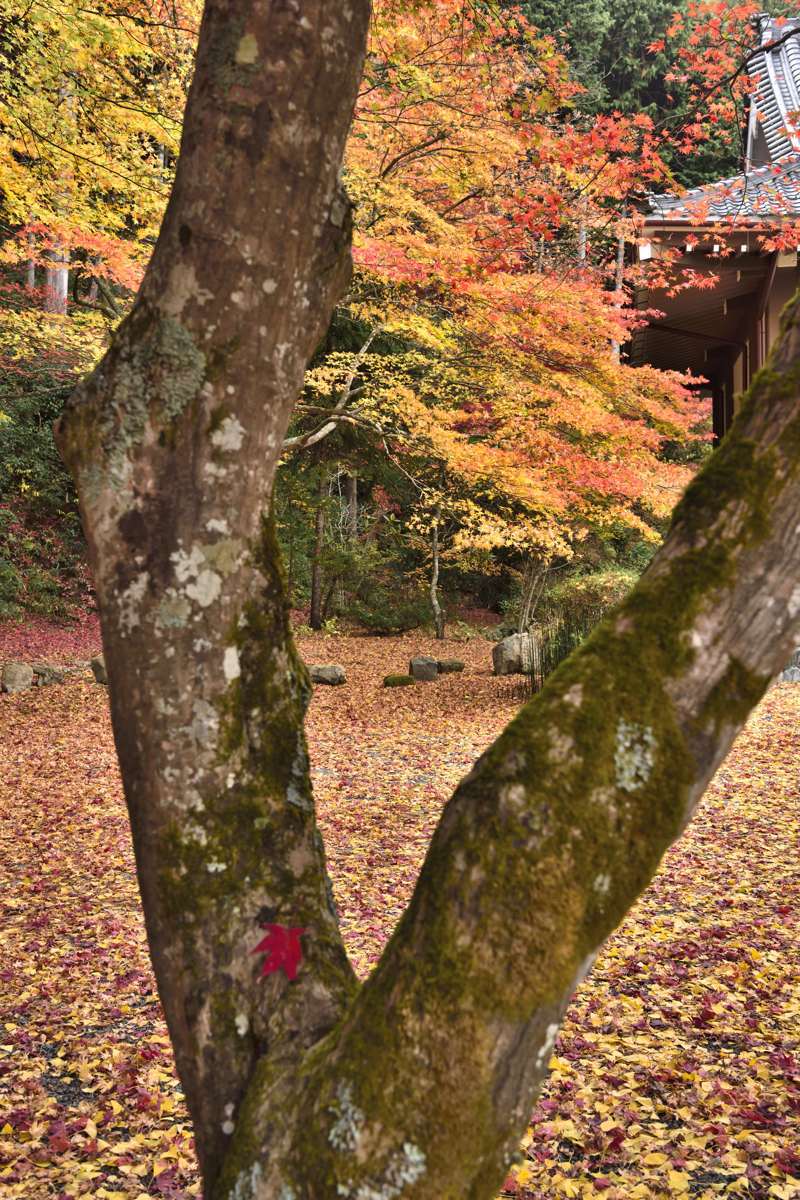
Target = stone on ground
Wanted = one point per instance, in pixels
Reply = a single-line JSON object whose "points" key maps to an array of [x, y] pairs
{"points": [[514, 655], [792, 672], [17, 677], [98, 666], [449, 666], [398, 680], [423, 669], [329, 673]]}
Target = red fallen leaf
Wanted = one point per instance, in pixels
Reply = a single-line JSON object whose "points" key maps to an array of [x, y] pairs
{"points": [[615, 1139], [788, 1161], [57, 1138], [166, 1184], [511, 1187], [282, 949]]}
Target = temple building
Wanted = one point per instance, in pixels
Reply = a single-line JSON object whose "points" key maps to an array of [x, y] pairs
{"points": [[724, 334]]}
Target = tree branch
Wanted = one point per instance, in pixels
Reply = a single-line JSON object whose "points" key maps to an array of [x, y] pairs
{"points": [[304, 440]]}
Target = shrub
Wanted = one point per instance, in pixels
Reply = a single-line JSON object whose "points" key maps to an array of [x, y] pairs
{"points": [[42, 562], [387, 614], [587, 595], [10, 590]]}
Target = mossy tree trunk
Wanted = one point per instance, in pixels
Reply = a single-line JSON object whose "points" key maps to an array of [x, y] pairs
{"points": [[173, 441], [418, 1084]]}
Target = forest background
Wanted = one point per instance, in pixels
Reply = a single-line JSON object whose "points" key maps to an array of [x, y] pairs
{"points": [[471, 441]]}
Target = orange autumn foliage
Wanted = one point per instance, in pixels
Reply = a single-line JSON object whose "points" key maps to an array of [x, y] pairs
{"points": [[474, 185]]}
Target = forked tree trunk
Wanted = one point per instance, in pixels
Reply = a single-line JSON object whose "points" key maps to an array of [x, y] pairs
{"points": [[419, 1084]]}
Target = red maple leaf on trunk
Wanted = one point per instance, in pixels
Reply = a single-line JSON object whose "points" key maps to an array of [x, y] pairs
{"points": [[282, 949]]}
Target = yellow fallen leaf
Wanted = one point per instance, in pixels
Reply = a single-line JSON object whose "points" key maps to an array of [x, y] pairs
{"points": [[560, 1064], [655, 1159], [784, 1191]]}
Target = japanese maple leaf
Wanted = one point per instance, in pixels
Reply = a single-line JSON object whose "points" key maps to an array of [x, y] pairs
{"points": [[282, 949]]}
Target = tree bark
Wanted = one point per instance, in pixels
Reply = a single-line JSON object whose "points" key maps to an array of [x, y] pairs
{"points": [[315, 615], [173, 441], [533, 581], [56, 283], [619, 281], [419, 1084], [438, 615], [30, 265]]}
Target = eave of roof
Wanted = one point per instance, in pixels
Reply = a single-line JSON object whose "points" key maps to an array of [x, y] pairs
{"points": [[765, 194]]}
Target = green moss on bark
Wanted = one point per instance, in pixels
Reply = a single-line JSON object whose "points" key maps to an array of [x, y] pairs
{"points": [[150, 376], [569, 813]]}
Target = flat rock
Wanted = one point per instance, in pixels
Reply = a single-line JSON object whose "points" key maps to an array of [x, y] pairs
{"points": [[398, 680], [329, 673], [449, 666], [423, 669], [98, 666], [17, 677]]}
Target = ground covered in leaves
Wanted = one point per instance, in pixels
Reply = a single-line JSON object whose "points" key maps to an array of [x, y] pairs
{"points": [[677, 1072], [50, 641]]}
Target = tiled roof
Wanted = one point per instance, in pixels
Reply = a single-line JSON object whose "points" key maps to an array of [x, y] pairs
{"points": [[770, 186], [776, 100], [772, 191]]}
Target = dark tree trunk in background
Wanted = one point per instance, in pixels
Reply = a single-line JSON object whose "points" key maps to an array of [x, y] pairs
{"points": [[417, 1085], [315, 617]]}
